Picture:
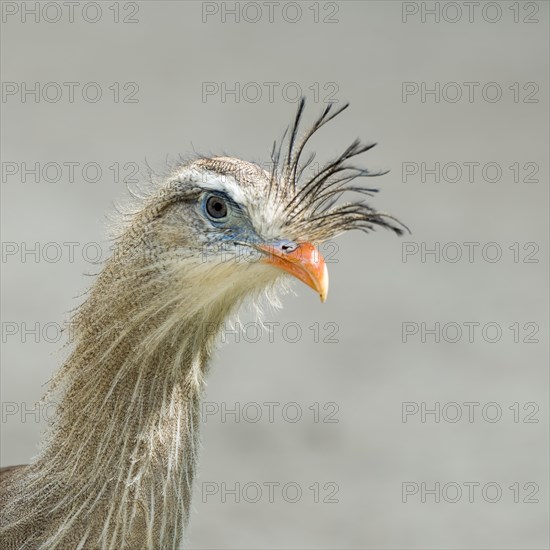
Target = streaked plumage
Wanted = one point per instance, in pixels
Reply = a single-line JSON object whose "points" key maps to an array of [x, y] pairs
{"points": [[116, 467]]}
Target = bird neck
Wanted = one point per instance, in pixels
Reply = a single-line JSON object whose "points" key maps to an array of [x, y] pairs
{"points": [[118, 463]]}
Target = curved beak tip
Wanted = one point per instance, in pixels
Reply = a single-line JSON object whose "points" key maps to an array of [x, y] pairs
{"points": [[323, 286], [304, 262]]}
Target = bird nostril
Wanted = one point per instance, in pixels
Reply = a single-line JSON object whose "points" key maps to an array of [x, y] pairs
{"points": [[288, 248]]}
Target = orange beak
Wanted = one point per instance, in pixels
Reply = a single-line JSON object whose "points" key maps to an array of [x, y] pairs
{"points": [[303, 261]]}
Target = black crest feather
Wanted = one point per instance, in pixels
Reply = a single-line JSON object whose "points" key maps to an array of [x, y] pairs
{"points": [[311, 204]]}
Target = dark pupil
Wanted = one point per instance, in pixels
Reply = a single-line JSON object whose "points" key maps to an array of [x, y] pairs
{"points": [[216, 207]]}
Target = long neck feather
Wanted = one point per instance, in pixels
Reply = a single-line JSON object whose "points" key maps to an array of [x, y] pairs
{"points": [[117, 466]]}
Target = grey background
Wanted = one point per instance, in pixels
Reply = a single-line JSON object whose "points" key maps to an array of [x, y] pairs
{"points": [[368, 53]]}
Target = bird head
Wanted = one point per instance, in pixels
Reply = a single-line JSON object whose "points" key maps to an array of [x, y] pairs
{"points": [[232, 227]]}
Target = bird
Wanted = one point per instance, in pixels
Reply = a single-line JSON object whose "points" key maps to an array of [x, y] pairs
{"points": [[116, 466]]}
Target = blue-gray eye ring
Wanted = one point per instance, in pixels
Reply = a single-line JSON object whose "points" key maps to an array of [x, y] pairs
{"points": [[216, 207]]}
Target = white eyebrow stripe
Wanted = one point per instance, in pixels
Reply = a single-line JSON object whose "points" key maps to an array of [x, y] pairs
{"points": [[216, 182], [265, 220]]}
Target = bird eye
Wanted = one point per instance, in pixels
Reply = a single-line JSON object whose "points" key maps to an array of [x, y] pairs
{"points": [[216, 207]]}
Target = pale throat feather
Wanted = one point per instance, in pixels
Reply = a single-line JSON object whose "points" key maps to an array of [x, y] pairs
{"points": [[121, 455]]}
